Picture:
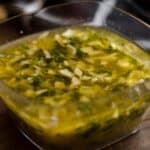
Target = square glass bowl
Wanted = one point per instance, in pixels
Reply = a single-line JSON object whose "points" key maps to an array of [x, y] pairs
{"points": [[64, 15]]}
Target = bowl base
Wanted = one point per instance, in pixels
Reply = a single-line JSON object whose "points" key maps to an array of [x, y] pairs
{"points": [[100, 148]]}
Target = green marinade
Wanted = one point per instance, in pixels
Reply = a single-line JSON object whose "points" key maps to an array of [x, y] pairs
{"points": [[67, 73]]}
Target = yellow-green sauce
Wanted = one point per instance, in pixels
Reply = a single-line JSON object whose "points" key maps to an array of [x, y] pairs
{"points": [[67, 75]]}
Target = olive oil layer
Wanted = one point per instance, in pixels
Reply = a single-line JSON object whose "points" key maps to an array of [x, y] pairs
{"points": [[67, 74]]}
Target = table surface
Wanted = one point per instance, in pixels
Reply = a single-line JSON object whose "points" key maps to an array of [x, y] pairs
{"points": [[11, 139]]}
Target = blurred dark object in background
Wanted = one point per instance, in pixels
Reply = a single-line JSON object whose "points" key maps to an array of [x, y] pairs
{"points": [[143, 3], [15, 7], [139, 8], [142, 8]]}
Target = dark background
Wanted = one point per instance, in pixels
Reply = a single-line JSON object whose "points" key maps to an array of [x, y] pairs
{"points": [[139, 8]]}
